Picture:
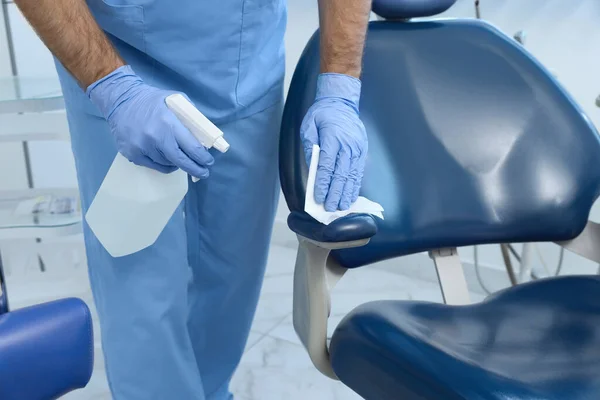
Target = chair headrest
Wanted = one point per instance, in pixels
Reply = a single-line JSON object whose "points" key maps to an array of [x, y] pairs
{"points": [[406, 9]]}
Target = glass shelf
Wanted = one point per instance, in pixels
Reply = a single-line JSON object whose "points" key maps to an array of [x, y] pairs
{"points": [[15, 223], [28, 94]]}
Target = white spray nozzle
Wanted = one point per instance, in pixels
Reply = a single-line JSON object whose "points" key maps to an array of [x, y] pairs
{"points": [[205, 131], [221, 145]]}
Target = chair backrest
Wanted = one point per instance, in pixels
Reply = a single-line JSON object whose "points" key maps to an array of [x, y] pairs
{"points": [[471, 140]]}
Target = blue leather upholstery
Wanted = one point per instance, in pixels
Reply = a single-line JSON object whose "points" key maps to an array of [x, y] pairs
{"points": [[471, 141], [45, 350], [406, 9], [346, 229], [538, 341]]}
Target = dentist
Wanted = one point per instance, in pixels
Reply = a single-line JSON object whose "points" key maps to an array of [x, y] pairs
{"points": [[175, 317]]}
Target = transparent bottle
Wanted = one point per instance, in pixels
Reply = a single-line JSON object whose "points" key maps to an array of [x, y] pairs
{"points": [[134, 203]]}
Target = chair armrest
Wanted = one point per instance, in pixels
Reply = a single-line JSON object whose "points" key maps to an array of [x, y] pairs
{"points": [[316, 274], [46, 350], [350, 228]]}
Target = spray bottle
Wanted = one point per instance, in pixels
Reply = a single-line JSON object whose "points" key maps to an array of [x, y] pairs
{"points": [[134, 203]]}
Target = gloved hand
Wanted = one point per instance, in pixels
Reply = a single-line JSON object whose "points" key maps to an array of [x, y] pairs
{"points": [[333, 123], [146, 131]]}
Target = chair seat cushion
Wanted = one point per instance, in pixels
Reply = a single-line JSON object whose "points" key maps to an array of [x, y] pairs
{"points": [[535, 341]]}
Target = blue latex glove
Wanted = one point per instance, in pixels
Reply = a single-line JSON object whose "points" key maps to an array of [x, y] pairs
{"points": [[333, 123], [146, 131]]}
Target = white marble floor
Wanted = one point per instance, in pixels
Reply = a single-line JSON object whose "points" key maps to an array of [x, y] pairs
{"points": [[275, 365]]}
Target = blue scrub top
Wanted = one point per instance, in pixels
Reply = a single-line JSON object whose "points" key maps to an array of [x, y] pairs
{"points": [[226, 55]]}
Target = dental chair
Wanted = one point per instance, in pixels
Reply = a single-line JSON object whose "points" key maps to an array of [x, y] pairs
{"points": [[471, 141], [46, 350]]}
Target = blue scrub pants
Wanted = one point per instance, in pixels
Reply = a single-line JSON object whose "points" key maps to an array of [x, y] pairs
{"points": [[175, 317]]}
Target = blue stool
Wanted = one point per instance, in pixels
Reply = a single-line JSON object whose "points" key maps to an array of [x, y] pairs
{"points": [[471, 141], [46, 350]]}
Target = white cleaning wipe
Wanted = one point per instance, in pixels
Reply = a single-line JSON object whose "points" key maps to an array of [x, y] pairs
{"points": [[317, 211]]}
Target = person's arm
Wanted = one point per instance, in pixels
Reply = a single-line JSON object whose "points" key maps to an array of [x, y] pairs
{"points": [[146, 132], [343, 31], [69, 30], [333, 121]]}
